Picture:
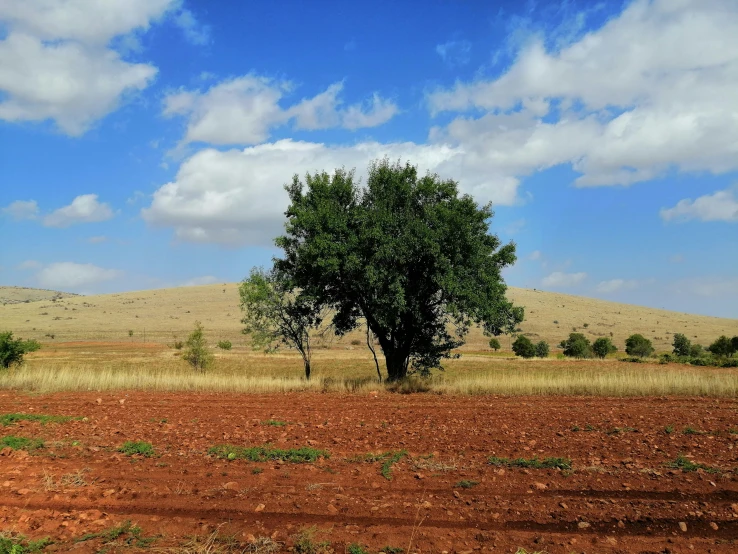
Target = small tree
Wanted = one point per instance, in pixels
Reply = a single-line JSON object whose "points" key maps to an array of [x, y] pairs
{"points": [[576, 346], [603, 346], [11, 350], [542, 349], [523, 347], [494, 343], [196, 352], [722, 347], [696, 351], [274, 315], [638, 345], [681, 345]]}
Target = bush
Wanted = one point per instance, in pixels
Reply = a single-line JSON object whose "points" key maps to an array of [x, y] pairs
{"points": [[542, 349], [494, 343], [577, 346], [197, 353], [696, 351], [12, 350], [523, 347], [638, 345], [603, 346], [681, 345], [225, 345], [722, 347]]}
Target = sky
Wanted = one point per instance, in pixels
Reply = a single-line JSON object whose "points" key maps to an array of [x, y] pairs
{"points": [[145, 143]]}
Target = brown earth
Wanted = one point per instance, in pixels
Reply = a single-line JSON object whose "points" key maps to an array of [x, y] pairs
{"points": [[619, 496]]}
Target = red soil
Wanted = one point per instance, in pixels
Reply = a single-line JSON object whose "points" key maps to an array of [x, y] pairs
{"points": [[619, 497]]}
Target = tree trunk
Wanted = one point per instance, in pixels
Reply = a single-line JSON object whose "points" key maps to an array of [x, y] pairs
{"points": [[307, 369], [396, 365]]}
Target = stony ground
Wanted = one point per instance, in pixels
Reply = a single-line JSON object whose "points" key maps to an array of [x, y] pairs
{"points": [[442, 494]]}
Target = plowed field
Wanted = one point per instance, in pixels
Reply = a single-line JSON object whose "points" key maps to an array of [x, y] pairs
{"points": [[442, 494]]}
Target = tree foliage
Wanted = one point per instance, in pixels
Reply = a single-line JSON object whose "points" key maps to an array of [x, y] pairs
{"points": [[576, 346], [523, 347], [196, 351], [494, 343], [603, 346], [408, 255], [12, 350], [638, 345], [682, 345], [723, 346], [275, 315], [542, 349]]}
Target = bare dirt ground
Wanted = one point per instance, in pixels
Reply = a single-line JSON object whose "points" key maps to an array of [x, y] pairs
{"points": [[619, 496]]}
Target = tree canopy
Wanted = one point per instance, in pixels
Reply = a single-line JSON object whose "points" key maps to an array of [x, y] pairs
{"points": [[638, 345], [408, 255]]}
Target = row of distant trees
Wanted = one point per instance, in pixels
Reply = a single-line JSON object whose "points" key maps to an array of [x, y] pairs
{"points": [[636, 345]]}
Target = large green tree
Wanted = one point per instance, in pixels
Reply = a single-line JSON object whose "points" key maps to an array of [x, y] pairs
{"points": [[408, 255]]}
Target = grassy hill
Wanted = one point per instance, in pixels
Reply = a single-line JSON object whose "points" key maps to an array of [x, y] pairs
{"points": [[163, 314]]}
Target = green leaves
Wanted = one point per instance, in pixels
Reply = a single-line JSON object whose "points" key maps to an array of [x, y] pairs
{"points": [[12, 350]]}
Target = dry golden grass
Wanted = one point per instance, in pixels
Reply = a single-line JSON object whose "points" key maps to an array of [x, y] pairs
{"points": [[163, 314]]}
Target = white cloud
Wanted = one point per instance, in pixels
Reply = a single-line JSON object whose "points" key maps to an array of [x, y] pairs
{"points": [[21, 209], [98, 239], [70, 275], [244, 110], [455, 52], [197, 281], [719, 206], [28, 264], [83, 209], [559, 279], [650, 90], [614, 285], [717, 287], [535, 255], [56, 62], [236, 197], [193, 30]]}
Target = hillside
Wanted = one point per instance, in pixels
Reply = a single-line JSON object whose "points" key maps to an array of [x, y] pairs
{"points": [[16, 295], [163, 314]]}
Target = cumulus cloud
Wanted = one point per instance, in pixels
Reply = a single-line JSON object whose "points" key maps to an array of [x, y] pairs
{"points": [[719, 206], [244, 110], [650, 90], [21, 209], [455, 52], [559, 279], [614, 285], [194, 31], [83, 209], [57, 62], [236, 197], [70, 275], [717, 287]]}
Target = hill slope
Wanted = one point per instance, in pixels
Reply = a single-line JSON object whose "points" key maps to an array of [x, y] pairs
{"points": [[16, 295], [160, 315]]}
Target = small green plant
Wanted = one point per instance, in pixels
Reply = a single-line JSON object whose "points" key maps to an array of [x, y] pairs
{"points": [[466, 484], [685, 464], [225, 345], [21, 443], [532, 463], [256, 471], [197, 354], [618, 430], [18, 544], [11, 419], [575, 428], [392, 550], [141, 448], [585, 325], [689, 430], [128, 533], [669, 429], [130, 332], [274, 423], [356, 548], [305, 542], [391, 459], [266, 453]]}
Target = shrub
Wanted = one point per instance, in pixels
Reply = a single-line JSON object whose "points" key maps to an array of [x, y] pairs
{"points": [[197, 353], [696, 351], [681, 345], [494, 344], [723, 347], [638, 345], [576, 346], [523, 347], [409, 385], [542, 349], [12, 350], [603, 346], [141, 448], [225, 345], [130, 332]]}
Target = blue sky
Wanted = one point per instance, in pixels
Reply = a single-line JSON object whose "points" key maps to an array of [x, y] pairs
{"points": [[144, 143]]}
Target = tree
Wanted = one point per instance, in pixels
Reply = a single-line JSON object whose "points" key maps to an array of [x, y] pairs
{"points": [[494, 343], [12, 350], [196, 352], [576, 346], [696, 351], [734, 344], [603, 346], [410, 256], [523, 347], [275, 315], [722, 347], [681, 344], [542, 349], [638, 345]]}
